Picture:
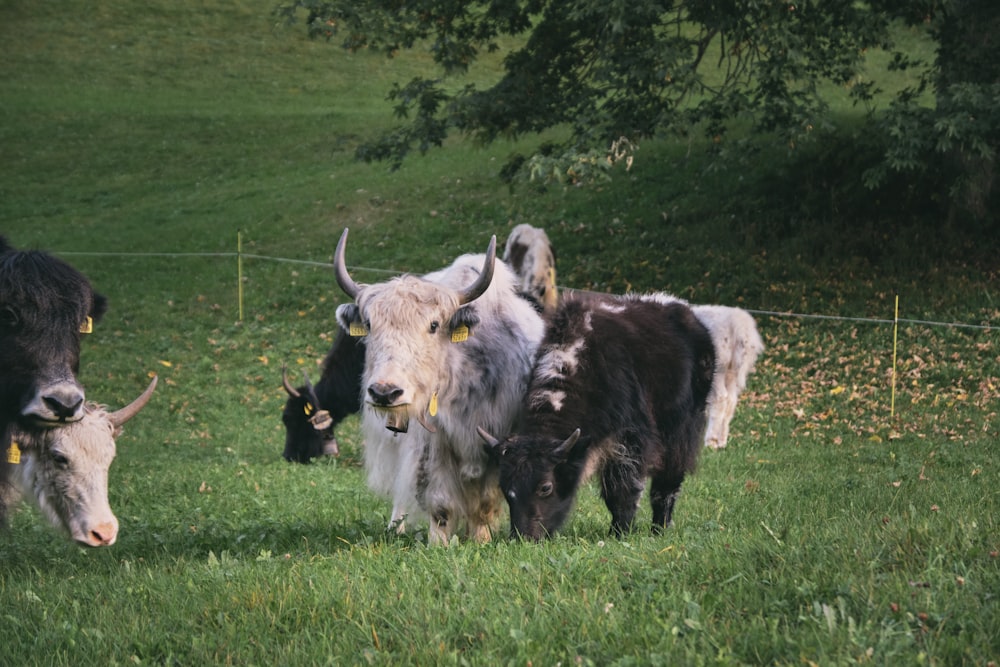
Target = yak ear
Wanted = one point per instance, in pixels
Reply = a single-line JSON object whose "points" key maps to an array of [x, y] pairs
{"points": [[100, 307], [563, 450], [347, 313], [464, 317]]}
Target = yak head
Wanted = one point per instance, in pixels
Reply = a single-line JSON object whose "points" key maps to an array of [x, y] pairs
{"points": [[308, 428], [539, 479], [45, 307], [412, 324], [64, 470]]}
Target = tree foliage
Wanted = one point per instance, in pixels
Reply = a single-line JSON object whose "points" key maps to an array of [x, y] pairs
{"points": [[622, 71]]}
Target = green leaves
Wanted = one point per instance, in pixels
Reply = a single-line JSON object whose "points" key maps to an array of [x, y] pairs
{"points": [[604, 70]]}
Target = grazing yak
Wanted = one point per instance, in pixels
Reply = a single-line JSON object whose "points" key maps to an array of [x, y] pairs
{"points": [[45, 306], [619, 388], [530, 255], [452, 350], [312, 412], [64, 471], [737, 346]]}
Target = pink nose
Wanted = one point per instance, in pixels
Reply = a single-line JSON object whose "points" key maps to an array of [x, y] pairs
{"points": [[102, 535]]}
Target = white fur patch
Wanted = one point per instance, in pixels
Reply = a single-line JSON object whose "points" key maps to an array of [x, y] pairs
{"points": [[554, 397], [614, 308], [559, 362], [661, 298]]}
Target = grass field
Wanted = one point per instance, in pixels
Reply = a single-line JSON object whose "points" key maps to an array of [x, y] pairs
{"points": [[138, 141]]}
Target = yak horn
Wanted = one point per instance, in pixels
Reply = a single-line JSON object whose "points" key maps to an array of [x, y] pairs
{"points": [[476, 289], [286, 384], [119, 417], [567, 444], [485, 435], [310, 390], [340, 269]]}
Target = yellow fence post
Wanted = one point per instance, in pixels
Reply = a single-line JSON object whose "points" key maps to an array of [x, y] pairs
{"points": [[239, 270], [895, 337]]}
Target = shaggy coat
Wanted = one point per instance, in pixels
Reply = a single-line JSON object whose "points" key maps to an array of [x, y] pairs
{"points": [[737, 346], [452, 350], [45, 304], [312, 412], [64, 471], [619, 389]]}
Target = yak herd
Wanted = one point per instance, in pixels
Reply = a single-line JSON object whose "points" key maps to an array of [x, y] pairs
{"points": [[476, 384]]}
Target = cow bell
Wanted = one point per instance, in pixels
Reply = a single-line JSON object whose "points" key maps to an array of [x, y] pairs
{"points": [[397, 419]]}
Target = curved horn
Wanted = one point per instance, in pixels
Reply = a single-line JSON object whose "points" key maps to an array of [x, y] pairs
{"points": [[340, 268], [310, 390], [567, 445], [286, 384], [119, 417], [476, 289], [485, 435]]}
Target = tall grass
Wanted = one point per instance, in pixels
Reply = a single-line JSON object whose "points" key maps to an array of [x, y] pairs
{"points": [[828, 533]]}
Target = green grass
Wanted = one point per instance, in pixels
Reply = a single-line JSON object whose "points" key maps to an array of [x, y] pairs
{"points": [[829, 532]]}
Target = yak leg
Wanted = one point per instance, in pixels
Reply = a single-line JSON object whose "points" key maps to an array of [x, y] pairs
{"points": [[484, 510], [441, 528], [718, 398], [397, 521], [621, 489], [662, 496], [733, 395]]}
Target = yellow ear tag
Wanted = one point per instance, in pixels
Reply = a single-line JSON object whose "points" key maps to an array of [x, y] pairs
{"points": [[358, 330], [460, 334], [88, 326], [552, 276], [433, 408], [308, 409], [13, 454]]}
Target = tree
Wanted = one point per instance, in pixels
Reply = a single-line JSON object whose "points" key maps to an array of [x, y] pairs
{"points": [[618, 71], [949, 146]]}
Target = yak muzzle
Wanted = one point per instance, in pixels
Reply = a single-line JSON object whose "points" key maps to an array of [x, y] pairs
{"points": [[384, 394], [56, 403]]}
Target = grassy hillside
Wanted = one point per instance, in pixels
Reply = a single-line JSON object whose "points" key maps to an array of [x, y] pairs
{"points": [[829, 532]]}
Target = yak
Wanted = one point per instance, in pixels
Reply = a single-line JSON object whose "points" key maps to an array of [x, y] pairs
{"points": [[64, 470], [45, 307], [737, 346], [619, 388], [312, 412], [450, 350]]}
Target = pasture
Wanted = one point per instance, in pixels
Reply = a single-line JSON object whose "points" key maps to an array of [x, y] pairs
{"points": [[845, 523]]}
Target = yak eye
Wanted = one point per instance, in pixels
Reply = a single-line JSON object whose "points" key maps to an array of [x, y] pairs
{"points": [[60, 460], [544, 490], [434, 326], [8, 318]]}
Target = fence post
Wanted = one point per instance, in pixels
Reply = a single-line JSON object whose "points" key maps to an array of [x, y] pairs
{"points": [[895, 337], [239, 270]]}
